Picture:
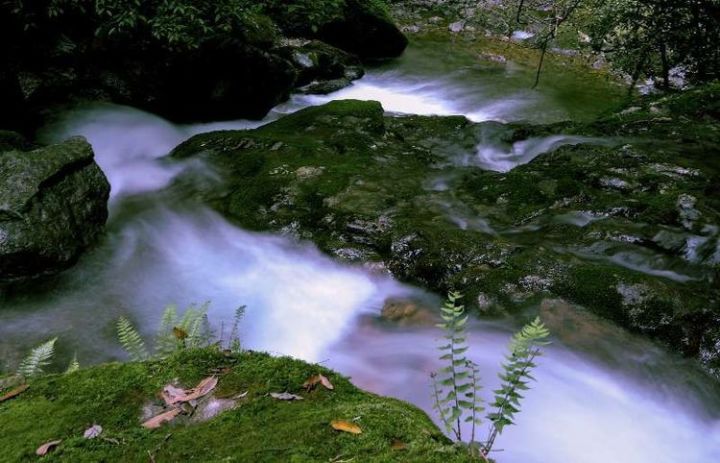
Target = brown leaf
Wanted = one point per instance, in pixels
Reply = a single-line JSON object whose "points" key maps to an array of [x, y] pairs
{"points": [[15, 392], [179, 333], [326, 382], [157, 421], [397, 444], [203, 388], [345, 426], [47, 447], [172, 394], [314, 380]]}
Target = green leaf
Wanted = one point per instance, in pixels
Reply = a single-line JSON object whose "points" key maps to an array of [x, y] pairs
{"points": [[38, 358]]}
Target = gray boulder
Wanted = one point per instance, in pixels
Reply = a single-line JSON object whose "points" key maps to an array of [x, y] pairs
{"points": [[53, 205]]}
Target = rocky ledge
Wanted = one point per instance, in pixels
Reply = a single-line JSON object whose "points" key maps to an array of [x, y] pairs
{"points": [[625, 223]]}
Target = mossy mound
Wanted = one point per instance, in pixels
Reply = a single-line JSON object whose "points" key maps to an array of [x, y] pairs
{"points": [[259, 427]]}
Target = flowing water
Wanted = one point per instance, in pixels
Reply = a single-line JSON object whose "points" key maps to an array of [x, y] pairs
{"points": [[601, 395]]}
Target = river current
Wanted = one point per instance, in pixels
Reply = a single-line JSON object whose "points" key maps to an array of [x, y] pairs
{"points": [[605, 396]]}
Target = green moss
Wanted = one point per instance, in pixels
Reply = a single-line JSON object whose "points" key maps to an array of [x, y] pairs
{"points": [[260, 428]]}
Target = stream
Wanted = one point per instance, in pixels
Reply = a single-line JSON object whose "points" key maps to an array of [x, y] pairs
{"points": [[601, 394]]}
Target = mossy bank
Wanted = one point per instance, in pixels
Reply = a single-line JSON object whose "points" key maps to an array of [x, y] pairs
{"points": [[255, 427]]}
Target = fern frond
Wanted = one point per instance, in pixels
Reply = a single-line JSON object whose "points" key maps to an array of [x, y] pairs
{"points": [[523, 349], [165, 341], [131, 340], [235, 346], [73, 366], [38, 358], [195, 324]]}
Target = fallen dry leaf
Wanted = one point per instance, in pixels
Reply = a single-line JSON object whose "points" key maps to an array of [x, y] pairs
{"points": [[47, 447], [314, 380], [15, 392], [157, 421], [172, 394], [179, 333], [93, 431], [285, 396], [203, 388], [397, 444], [345, 426]]}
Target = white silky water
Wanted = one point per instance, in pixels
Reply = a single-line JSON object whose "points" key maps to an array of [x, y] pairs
{"points": [[621, 401]]}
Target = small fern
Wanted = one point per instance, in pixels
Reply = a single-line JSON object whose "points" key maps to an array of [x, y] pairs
{"points": [[73, 366], [38, 358], [190, 331], [524, 348], [456, 387], [195, 323], [131, 340], [165, 341], [234, 345]]}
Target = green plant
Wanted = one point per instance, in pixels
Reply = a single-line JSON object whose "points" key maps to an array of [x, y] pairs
{"points": [[38, 358], [73, 366], [190, 331], [456, 387], [524, 348], [234, 345], [131, 340]]}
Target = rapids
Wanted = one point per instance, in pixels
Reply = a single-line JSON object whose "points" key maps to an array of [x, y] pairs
{"points": [[620, 399]]}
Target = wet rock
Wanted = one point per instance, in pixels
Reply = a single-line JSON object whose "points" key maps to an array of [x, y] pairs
{"points": [[10, 141], [548, 228], [319, 64], [686, 208], [456, 27], [366, 31], [407, 312], [53, 205]]}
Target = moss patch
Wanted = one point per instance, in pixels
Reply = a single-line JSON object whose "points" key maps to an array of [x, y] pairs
{"points": [[260, 428]]}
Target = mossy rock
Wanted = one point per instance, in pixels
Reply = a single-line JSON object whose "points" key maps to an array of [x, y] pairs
{"points": [[404, 194], [258, 428]]}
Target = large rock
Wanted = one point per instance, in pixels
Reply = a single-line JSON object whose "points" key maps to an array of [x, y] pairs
{"points": [[53, 204], [322, 68], [366, 31], [631, 232], [223, 80]]}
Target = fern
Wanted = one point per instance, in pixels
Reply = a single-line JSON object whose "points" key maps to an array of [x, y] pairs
{"points": [[235, 346], [37, 359], [190, 331], [165, 341], [524, 348], [131, 340], [455, 387], [73, 366], [195, 323]]}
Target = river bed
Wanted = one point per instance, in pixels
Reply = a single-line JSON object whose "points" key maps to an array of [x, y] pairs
{"points": [[606, 396]]}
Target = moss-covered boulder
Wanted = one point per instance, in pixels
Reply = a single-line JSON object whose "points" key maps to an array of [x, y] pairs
{"points": [[187, 61], [366, 30], [626, 225], [53, 205], [239, 421]]}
